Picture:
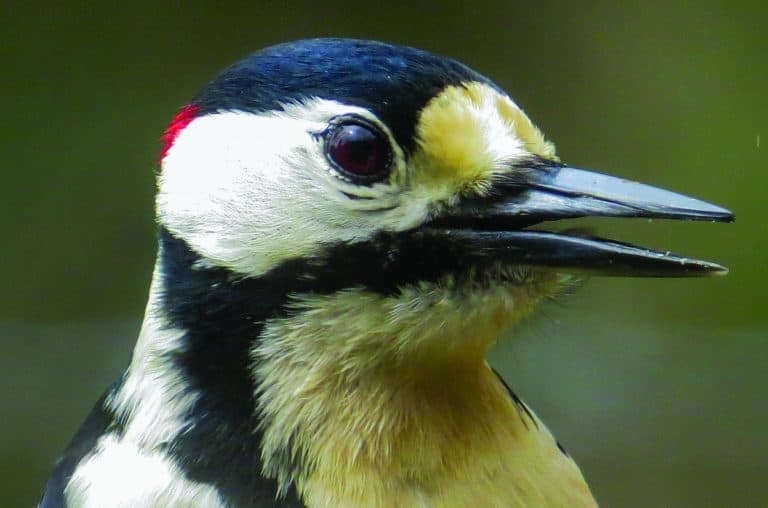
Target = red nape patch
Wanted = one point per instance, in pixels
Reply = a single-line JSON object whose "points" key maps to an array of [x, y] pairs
{"points": [[179, 122]]}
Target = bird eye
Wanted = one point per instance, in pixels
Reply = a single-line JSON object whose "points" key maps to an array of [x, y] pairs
{"points": [[359, 151]]}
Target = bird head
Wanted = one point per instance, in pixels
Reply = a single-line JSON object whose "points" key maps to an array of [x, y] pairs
{"points": [[328, 166]]}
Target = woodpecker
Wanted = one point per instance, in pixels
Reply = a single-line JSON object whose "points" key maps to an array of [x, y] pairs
{"points": [[344, 230]]}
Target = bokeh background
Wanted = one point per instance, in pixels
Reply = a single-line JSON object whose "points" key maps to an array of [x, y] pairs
{"points": [[657, 387]]}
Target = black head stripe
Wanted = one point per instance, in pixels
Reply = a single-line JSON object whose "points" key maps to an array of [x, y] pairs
{"points": [[394, 82], [218, 301]]}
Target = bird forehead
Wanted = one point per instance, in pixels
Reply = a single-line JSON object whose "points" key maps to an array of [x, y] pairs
{"points": [[468, 132]]}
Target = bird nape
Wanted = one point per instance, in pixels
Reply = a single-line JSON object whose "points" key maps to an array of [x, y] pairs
{"points": [[344, 229]]}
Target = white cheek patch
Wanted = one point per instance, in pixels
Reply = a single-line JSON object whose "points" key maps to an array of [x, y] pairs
{"points": [[248, 191]]}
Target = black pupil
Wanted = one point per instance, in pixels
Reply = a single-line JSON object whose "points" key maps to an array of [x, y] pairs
{"points": [[359, 150]]}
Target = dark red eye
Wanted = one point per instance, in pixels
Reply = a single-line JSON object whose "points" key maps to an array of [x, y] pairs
{"points": [[359, 151]]}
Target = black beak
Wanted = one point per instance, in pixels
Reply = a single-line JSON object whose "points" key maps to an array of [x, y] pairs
{"points": [[492, 226]]}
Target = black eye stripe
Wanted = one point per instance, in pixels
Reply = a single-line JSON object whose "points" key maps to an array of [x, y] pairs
{"points": [[358, 149]]}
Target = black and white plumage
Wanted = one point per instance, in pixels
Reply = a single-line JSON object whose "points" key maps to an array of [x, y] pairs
{"points": [[341, 237]]}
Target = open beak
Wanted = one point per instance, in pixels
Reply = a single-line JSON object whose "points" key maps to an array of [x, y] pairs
{"points": [[493, 226]]}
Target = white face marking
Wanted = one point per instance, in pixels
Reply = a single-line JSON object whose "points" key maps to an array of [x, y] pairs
{"points": [[120, 475], [248, 191]]}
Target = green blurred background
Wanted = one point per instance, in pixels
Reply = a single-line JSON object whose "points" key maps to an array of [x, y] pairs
{"points": [[657, 387]]}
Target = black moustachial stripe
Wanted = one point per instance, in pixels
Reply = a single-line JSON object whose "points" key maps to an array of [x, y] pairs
{"points": [[221, 444]]}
